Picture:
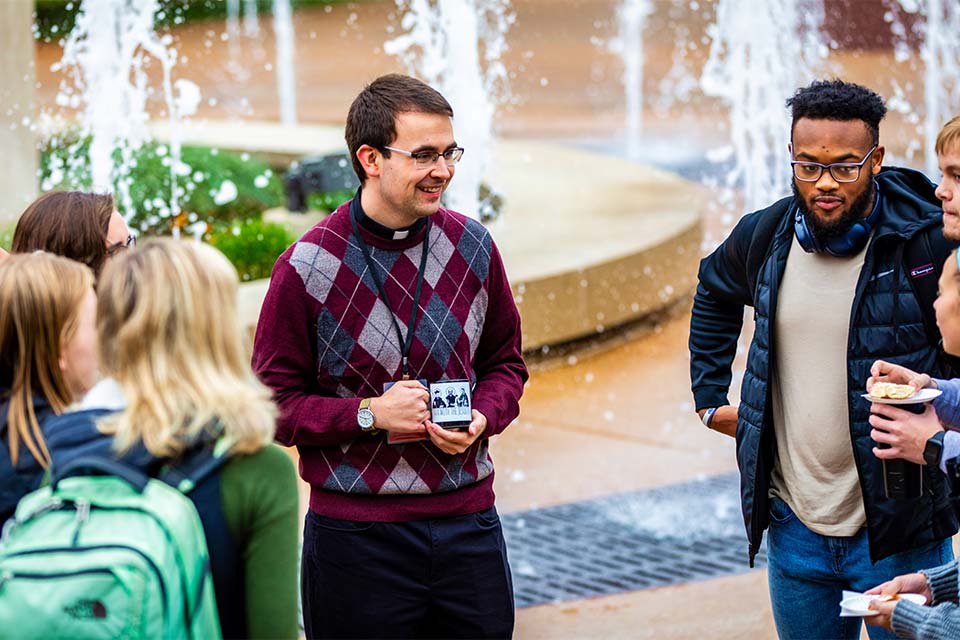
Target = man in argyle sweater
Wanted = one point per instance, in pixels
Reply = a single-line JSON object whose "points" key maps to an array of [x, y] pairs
{"points": [[402, 538]]}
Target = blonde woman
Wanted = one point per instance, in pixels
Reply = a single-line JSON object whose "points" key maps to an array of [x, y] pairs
{"points": [[178, 379], [48, 359]]}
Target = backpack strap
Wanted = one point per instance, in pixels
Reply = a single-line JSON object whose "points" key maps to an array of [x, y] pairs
{"points": [[83, 465], [761, 242], [195, 466], [923, 256]]}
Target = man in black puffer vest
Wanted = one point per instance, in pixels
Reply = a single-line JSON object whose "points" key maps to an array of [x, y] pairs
{"points": [[826, 273]]}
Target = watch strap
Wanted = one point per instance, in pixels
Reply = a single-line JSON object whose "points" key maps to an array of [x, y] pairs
{"points": [[365, 403], [933, 450]]}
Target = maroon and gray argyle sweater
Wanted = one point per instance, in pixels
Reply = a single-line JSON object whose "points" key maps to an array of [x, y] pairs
{"points": [[325, 340]]}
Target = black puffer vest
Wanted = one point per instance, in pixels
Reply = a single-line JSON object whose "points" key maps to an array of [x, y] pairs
{"points": [[886, 322]]}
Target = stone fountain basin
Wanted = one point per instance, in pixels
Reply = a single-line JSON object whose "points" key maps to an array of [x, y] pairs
{"points": [[590, 241]]}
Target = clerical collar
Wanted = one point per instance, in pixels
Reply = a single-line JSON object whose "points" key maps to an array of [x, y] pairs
{"points": [[377, 229]]}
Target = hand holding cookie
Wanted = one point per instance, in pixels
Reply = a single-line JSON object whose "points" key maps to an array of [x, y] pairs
{"points": [[891, 390], [886, 373]]}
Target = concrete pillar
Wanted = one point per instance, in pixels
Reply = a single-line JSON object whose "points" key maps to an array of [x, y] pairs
{"points": [[18, 159]]}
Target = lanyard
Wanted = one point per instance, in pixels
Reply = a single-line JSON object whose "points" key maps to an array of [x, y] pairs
{"points": [[404, 344]]}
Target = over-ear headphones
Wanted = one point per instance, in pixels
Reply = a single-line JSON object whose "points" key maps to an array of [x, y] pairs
{"points": [[849, 244]]}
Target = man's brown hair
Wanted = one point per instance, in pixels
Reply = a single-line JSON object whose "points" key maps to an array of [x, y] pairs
{"points": [[372, 119], [72, 224], [949, 136]]}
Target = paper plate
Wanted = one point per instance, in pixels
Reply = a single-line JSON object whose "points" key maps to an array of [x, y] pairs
{"points": [[924, 395], [859, 605]]}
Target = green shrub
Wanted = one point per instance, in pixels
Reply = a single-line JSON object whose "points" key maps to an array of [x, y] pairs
{"points": [[232, 223], [54, 19], [252, 246], [328, 200], [204, 174], [6, 235]]}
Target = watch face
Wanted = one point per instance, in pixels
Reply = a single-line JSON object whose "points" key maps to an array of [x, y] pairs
{"points": [[365, 418], [933, 450]]}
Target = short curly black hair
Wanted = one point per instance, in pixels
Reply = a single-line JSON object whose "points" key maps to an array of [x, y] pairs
{"points": [[838, 100]]}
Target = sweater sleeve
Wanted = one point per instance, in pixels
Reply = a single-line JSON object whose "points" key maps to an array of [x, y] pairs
{"points": [[498, 363], [259, 496], [285, 359], [911, 620], [943, 582]]}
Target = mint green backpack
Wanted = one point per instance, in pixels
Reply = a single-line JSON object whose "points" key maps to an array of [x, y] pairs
{"points": [[108, 556]]}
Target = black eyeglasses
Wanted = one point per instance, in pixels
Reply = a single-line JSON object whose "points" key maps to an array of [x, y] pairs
{"points": [[806, 171], [427, 159], [117, 247]]}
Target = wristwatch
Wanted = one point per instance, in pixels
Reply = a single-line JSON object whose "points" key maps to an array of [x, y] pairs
{"points": [[365, 417], [934, 449]]}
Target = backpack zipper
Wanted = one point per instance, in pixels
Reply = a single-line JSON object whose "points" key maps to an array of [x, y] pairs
{"points": [[153, 565], [49, 576]]}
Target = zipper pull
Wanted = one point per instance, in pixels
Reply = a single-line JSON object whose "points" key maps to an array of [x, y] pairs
{"points": [[83, 514], [83, 510]]}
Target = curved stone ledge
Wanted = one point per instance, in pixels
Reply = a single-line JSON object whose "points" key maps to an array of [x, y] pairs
{"points": [[589, 241]]}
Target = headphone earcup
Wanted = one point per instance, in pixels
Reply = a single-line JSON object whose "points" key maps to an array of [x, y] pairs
{"points": [[808, 242], [850, 243]]}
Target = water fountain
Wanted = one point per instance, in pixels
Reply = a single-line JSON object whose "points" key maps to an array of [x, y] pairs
{"points": [[106, 55], [457, 47], [939, 51], [752, 76], [283, 29], [628, 44]]}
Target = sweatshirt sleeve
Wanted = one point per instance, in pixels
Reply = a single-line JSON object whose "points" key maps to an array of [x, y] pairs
{"points": [[285, 359], [717, 316], [498, 363], [947, 404], [260, 504]]}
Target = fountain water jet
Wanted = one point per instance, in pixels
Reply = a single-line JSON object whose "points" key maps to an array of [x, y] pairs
{"points": [[631, 18], [456, 46], [107, 54], [753, 75], [283, 29], [939, 50]]}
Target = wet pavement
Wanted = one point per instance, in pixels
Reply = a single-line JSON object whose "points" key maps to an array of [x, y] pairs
{"points": [[621, 510]]}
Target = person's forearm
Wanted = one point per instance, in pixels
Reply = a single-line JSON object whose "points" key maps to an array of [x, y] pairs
{"points": [[941, 622], [947, 405], [285, 359], [714, 330], [943, 582]]}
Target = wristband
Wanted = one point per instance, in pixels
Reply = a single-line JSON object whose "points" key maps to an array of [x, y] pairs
{"points": [[708, 416]]}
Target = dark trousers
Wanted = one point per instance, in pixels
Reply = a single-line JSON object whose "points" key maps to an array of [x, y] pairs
{"points": [[442, 578]]}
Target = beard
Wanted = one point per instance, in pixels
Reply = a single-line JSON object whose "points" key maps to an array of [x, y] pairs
{"points": [[826, 230]]}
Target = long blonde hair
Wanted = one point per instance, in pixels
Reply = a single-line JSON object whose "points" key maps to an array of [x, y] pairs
{"points": [[40, 298], [171, 337]]}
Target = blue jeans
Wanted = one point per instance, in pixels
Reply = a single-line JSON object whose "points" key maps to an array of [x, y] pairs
{"points": [[807, 572], [441, 578]]}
